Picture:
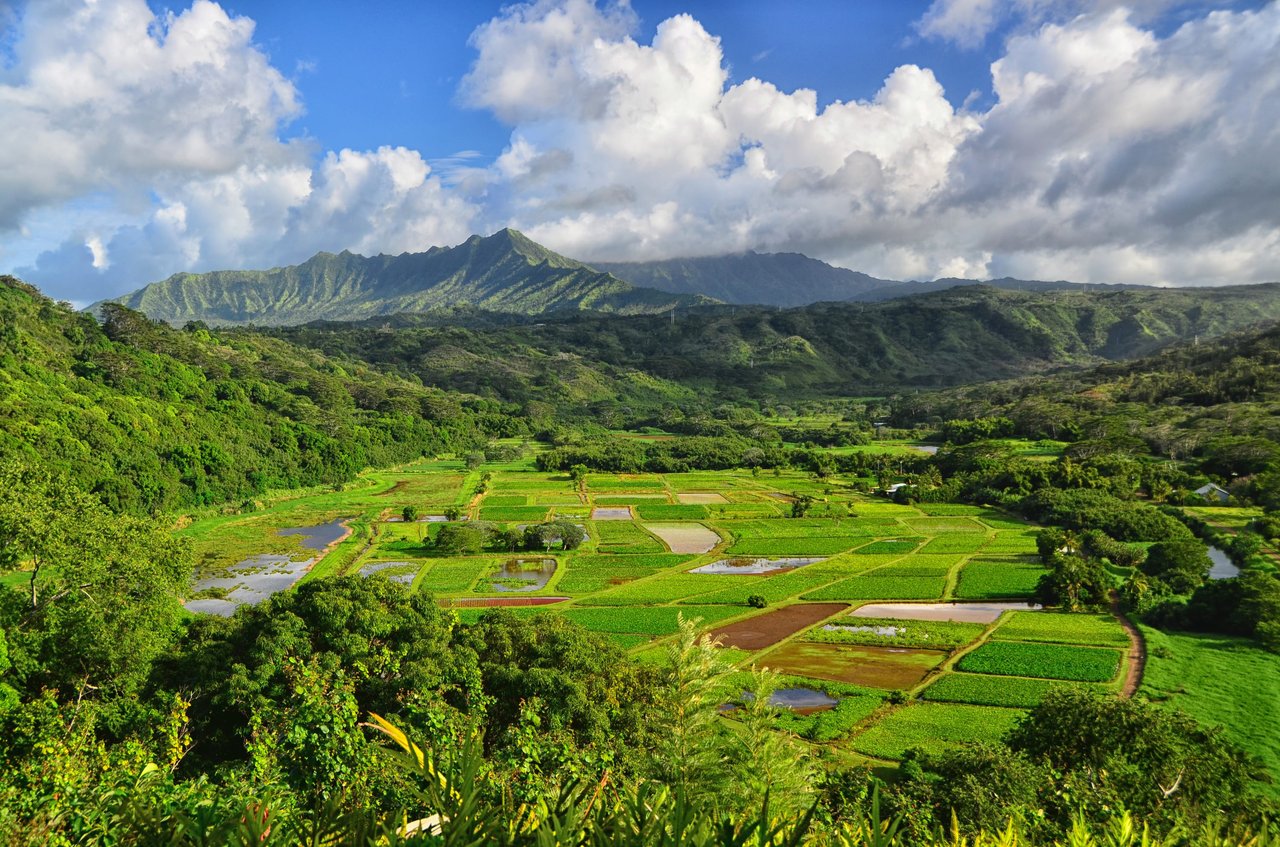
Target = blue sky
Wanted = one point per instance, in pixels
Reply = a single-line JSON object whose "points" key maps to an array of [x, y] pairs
{"points": [[1095, 140], [390, 76]]}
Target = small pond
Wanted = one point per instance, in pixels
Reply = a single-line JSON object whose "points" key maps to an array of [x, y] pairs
{"points": [[806, 700], [528, 574], [402, 572], [258, 577], [1223, 567], [931, 449], [749, 566], [964, 612], [611, 513]]}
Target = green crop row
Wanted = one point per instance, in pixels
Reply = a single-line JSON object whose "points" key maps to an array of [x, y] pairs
{"points": [[512, 513], [1101, 630], [939, 634], [669, 588], [871, 587], [625, 537], [773, 589], [983, 690], [791, 546], [966, 542], [900, 546], [646, 621], [1046, 661], [934, 727], [988, 579], [669, 512]]}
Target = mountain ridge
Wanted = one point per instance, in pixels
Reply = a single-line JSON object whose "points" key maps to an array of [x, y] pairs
{"points": [[504, 272]]}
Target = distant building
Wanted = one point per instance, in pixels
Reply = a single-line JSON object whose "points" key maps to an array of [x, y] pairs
{"points": [[893, 489], [1213, 492]]}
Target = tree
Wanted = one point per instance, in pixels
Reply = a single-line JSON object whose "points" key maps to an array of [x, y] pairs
{"points": [[1182, 565], [409, 514], [1074, 583], [544, 536], [687, 755], [473, 460], [800, 505], [101, 598], [766, 765], [578, 473], [1137, 755], [456, 538]]}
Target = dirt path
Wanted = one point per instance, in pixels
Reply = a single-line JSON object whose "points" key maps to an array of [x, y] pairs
{"points": [[1137, 651]]}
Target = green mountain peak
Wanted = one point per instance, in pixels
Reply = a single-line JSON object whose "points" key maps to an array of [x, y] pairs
{"points": [[502, 272]]}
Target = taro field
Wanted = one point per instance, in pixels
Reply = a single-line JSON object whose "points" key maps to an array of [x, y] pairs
{"points": [[911, 624]]}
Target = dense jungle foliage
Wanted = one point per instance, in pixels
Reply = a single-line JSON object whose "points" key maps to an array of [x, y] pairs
{"points": [[153, 419]]}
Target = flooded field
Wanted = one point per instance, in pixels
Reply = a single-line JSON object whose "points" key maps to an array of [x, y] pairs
{"points": [[258, 577], [523, 574], [770, 628], [964, 612], [875, 667], [611, 513], [402, 572], [748, 566], [703, 498], [685, 537]]}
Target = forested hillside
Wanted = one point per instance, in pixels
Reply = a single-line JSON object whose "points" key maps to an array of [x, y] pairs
{"points": [[771, 279], [152, 418], [1216, 401], [505, 272], [948, 338]]}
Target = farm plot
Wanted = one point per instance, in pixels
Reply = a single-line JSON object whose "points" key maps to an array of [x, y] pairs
{"points": [[774, 588], [872, 587], [896, 546], [1012, 543], [984, 690], [960, 542], [1100, 630], [934, 727], [921, 564], [896, 632], [625, 482], [646, 621], [856, 664], [1045, 661], [685, 537], [944, 525], [532, 514], [454, 576], [664, 588], [792, 546], [625, 537], [771, 627], [670, 512], [983, 579], [587, 573]]}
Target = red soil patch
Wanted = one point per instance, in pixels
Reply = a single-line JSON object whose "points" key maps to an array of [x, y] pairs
{"points": [[503, 601], [770, 628]]}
